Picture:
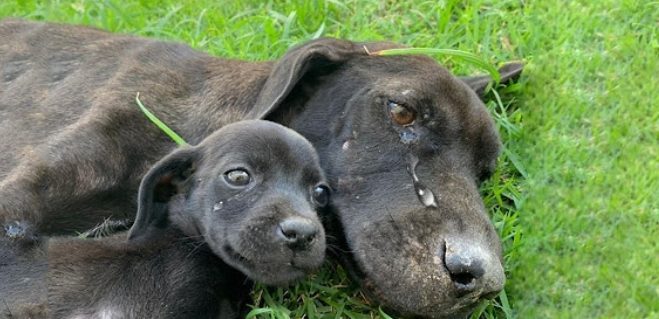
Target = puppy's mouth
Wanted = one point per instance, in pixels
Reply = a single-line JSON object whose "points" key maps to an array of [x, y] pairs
{"points": [[236, 257], [268, 273]]}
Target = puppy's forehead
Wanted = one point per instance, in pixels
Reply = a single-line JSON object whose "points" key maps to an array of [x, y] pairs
{"points": [[260, 142]]}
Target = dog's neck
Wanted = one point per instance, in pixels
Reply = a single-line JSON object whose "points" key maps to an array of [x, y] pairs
{"points": [[220, 99]]}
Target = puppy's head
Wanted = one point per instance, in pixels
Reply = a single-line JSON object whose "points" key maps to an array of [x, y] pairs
{"points": [[250, 191]]}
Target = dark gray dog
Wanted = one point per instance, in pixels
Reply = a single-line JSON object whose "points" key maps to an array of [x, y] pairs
{"points": [[248, 194], [404, 143]]}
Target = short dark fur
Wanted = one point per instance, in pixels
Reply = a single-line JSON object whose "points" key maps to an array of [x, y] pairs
{"points": [[78, 143], [197, 239], [22, 281], [169, 276]]}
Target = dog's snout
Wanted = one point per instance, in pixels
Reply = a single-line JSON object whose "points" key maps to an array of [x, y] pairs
{"points": [[464, 270], [473, 270], [297, 232]]}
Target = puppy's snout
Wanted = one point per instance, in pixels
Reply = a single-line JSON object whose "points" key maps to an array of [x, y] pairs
{"points": [[298, 233]]}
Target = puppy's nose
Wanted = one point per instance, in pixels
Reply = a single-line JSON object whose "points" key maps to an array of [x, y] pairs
{"points": [[297, 232], [465, 269]]}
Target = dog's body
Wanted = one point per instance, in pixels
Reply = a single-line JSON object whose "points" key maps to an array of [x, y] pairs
{"points": [[404, 144], [88, 135], [239, 206]]}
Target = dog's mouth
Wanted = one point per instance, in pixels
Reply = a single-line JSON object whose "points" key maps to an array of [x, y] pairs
{"points": [[440, 303], [372, 291]]}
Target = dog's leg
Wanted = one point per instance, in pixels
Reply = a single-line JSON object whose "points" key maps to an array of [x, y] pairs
{"points": [[73, 181]]}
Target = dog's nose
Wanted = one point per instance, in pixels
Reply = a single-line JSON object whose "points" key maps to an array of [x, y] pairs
{"points": [[298, 233], [465, 269]]}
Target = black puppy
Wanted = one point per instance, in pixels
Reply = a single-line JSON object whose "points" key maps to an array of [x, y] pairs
{"points": [[241, 203]]}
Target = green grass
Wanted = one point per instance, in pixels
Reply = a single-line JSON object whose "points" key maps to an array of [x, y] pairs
{"points": [[574, 197]]}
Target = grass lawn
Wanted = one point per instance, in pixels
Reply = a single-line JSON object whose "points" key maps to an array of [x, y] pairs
{"points": [[575, 196]]}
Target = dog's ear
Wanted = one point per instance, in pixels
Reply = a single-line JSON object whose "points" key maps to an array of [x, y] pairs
{"points": [[509, 72], [295, 64], [170, 176]]}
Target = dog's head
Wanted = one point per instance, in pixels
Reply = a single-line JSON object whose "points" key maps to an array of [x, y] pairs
{"points": [[405, 145], [250, 191]]}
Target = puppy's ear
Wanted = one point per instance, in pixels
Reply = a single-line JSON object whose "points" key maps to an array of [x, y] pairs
{"points": [[299, 61], [170, 176], [509, 72]]}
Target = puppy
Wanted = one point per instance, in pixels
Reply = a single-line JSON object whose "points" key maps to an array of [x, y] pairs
{"points": [[240, 205]]}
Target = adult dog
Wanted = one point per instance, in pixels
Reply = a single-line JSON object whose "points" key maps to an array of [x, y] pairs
{"points": [[404, 144]]}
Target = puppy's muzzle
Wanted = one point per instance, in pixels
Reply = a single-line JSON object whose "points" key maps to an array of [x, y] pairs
{"points": [[297, 233]]}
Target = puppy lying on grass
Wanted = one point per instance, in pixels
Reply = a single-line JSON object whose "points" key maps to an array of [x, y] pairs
{"points": [[240, 205]]}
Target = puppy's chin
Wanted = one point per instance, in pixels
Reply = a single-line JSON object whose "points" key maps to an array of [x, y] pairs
{"points": [[274, 273], [264, 259]]}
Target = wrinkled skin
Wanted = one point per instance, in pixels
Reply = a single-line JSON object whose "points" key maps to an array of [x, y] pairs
{"points": [[441, 249]]}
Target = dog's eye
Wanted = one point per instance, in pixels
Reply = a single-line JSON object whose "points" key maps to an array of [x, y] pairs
{"points": [[237, 177], [401, 114], [321, 195]]}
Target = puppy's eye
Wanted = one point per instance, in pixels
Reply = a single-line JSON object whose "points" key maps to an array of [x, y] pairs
{"points": [[237, 177], [401, 114], [321, 195]]}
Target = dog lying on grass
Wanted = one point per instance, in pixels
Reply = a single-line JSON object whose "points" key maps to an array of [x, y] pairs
{"points": [[239, 206], [404, 144]]}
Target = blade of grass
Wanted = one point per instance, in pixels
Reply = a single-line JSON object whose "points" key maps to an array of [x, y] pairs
{"points": [[162, 126], [383, 314], [258, 311], [463, 55]]}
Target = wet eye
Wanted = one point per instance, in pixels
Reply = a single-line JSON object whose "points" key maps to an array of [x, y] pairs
{"points": [[401, 114], [321, 195], [237, 177]]}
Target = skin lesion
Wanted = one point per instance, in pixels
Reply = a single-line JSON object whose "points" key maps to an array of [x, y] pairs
{"points": [[15, 230]]}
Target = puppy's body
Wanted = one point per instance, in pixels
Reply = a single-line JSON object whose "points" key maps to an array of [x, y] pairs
{"points": [[168, 277], [23, 278], [239, 206]]}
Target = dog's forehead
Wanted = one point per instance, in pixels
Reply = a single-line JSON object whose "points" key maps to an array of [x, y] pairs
{"points": [[416, 76], [414, 66]]}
